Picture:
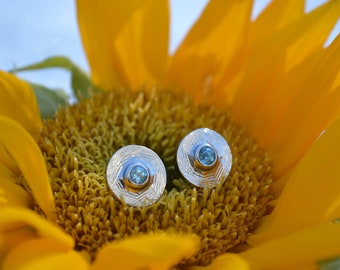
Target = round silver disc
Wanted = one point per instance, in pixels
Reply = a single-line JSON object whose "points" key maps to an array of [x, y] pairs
{"points": [[137, 175], [204, 158]]}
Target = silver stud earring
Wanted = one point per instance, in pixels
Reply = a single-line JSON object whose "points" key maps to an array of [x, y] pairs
{"points": [[137, 175], [204, 158]]}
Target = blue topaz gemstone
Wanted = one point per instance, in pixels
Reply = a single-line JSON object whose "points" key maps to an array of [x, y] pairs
{"points": [[204, 158], [207, 156], [138, 175]]}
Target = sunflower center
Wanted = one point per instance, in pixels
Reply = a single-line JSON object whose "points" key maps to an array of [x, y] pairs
{"points": [[78, 143]]}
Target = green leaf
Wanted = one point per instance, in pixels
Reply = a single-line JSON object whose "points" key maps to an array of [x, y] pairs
{"points": [[49, 100], [332, 264], [80, 82]]}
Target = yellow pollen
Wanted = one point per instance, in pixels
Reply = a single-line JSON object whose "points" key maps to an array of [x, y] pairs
{"points": [[78, 143]]}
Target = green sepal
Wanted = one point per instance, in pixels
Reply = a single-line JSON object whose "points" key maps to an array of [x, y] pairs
{"points": [[49, 100], [80, 81]]}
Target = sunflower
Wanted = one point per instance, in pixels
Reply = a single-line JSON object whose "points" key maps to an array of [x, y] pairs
{"points": [[269, 86]]}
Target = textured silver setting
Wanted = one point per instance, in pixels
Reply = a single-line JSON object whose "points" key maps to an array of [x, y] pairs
{"points": [[189, 165], [118, 170]]}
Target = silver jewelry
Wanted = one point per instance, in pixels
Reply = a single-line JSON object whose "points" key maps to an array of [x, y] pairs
{"points": [[204, 158], [137, 175]]}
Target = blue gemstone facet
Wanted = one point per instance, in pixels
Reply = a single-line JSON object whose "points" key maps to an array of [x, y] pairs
{"points": [[207, 156], [138, 175]]}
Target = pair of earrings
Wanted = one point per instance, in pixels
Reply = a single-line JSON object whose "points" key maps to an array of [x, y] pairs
{"points": [[137, 174]]}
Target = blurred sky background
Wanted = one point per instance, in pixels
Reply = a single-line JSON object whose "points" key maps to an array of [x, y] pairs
{"points": [[33, 30]]}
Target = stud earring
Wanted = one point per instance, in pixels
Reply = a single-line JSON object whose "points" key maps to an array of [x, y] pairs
{"points": [[204, 158], [137, 175]]}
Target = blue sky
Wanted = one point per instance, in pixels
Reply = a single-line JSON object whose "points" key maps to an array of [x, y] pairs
{"points": [[33, 30]]}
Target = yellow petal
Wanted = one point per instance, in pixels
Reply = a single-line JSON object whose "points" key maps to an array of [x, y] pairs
{"points": [[311, 195], [227, 261], [299, 249], [281, 51], [275, 16], [295, 41], [13, 219], [316, 28], [278, 102], [43, 254], [8, 168], [279, 118], [154, 252], [27, 156], [11, 238], [100, 24], [10, 191], [303, 34], [13, 194], [18, 102], [313, 107], [141, 49], [337, 80], [209, 47], [259, 67], [126, 42]]}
